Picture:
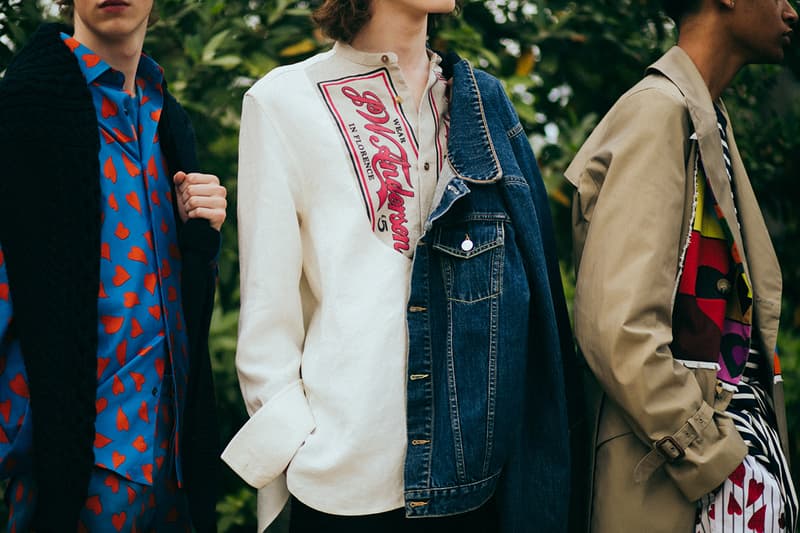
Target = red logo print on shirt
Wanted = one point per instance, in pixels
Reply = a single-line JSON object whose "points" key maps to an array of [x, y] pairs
{"points": [[379, 139]]}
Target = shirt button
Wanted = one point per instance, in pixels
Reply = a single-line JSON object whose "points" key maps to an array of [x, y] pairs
{"points": [[155, 391], [385, 58], [724, 286], [427, 166]]}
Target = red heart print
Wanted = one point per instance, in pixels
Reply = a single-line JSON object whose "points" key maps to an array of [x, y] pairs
{"points": [[108, 108], [122, 232], [122, 421], [756, 522], [733, 506], [109, 170], [112, 482], [133, 200], [101, 441], [737, 477], [143, 414], [117, 387], [100, 405], [136, 253], [94, 505], [140, 444], [19, 386], [117, 458], [130, 299], [118, 520], [111, 324], [754, 492], [138, 380]]}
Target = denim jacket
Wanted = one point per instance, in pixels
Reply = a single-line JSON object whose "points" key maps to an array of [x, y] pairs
{"points": [[487, 326]]}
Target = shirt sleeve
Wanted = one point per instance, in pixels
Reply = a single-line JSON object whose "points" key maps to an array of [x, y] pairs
{"points": [[271, 325], [6, 308], [625, 291]]}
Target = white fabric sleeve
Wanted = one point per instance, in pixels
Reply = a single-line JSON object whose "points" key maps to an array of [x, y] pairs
{"points": [[271, 328]]}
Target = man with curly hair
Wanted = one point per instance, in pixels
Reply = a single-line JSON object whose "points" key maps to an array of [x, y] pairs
{"points": [[109, 239], [678, 292]]}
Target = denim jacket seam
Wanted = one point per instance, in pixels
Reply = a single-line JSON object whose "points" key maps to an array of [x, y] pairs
{"points": [[453, 408], [478, 104]]}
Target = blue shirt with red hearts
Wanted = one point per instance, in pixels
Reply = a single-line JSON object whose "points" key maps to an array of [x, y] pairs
{"points": [[142, 344]]}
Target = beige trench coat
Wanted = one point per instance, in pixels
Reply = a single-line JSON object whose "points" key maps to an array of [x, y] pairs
{"points": [[662, 439]]}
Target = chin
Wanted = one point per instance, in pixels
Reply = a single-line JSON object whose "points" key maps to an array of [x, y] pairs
{"points": [[442, 8], [775, 57], [768, 57]]}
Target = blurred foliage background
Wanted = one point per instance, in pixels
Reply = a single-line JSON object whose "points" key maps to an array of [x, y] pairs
{"points": [[563, 64]]}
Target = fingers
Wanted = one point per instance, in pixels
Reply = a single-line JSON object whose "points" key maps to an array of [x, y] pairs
{"points": [[195, 178], [189, 191], [201, 196], [215, 217], [179, 177]]}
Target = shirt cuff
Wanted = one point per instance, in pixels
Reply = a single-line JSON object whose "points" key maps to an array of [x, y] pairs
{"points": [[265, 445]]}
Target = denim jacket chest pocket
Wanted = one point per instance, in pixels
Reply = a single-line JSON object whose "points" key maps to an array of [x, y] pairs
{"points": [[471, 257]]}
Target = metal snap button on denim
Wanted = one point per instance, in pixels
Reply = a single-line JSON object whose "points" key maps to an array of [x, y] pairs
{"points": [[467, 245]]}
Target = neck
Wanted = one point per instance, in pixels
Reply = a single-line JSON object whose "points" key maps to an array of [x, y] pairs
{"points": [[396, 29], [712, 53], [121, 54]]}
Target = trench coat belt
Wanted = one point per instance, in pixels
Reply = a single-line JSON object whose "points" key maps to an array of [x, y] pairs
{"points": [[672, 448]]}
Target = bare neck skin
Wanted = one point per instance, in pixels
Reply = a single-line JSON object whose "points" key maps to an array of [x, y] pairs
{"points": [[404, 33], [122, 52], [703, 38]]}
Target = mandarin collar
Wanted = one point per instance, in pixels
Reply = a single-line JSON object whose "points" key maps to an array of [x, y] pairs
{"points": [[377, 59]]}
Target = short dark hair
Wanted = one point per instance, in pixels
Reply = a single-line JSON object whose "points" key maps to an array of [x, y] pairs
{"points": [[677, 9], [341, 20]]}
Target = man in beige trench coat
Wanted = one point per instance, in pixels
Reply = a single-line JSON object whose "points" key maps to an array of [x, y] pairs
{"points": [[676, 278]]}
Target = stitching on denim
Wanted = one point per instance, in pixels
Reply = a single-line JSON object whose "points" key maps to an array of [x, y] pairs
{"points": [[516, 130], [485, 133], [452, 400], [491, 388]]}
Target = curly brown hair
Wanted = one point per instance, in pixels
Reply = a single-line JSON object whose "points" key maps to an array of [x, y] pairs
{"points": [[341, 20]]}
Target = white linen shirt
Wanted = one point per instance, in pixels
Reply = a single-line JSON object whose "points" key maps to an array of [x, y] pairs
{"points": [[337, 171]]}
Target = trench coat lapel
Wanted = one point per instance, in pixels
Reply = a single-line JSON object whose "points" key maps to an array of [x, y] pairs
{"points": [[766, 272], [679, 68]]}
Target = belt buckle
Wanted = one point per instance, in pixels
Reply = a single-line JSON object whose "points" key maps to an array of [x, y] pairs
{"points": [[670, 449]]}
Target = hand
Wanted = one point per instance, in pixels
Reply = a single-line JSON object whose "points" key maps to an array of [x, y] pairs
{"points": [[201, 196]]}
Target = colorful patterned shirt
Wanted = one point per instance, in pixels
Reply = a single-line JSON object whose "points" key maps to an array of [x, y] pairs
{"points": [[142, 336]]}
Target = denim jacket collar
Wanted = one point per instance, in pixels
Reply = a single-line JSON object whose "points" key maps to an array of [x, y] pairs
{"points": [[468, 123]]}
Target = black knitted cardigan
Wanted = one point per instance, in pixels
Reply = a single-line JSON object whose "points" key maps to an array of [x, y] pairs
{"points": [[50, 210]]}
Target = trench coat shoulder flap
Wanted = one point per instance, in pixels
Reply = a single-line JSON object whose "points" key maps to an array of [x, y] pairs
{"points": [[627, 262]]}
